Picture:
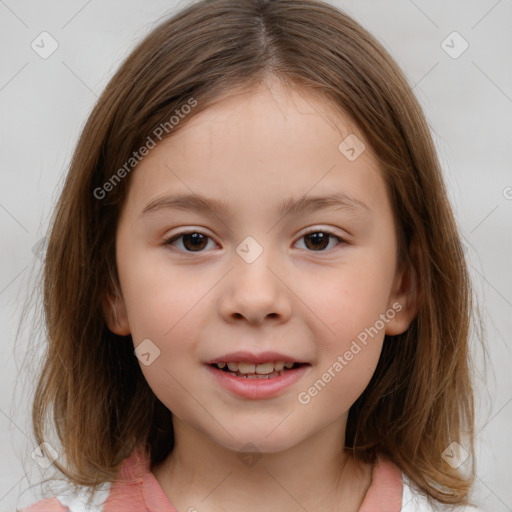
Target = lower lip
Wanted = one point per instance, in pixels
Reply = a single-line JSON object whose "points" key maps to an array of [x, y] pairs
{"points": [[258, 388]]}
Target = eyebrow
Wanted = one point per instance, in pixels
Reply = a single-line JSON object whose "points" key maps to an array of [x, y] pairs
{"points": [[293, 206]]}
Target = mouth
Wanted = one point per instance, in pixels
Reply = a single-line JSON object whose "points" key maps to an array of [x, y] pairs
{"points": [[268, 370]]}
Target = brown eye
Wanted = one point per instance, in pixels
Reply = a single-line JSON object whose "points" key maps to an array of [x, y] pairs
{"points": [[318, 240], [193, 241]]}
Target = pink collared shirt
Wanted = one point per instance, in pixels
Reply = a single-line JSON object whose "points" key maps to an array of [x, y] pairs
{"points": [[137, 490]]}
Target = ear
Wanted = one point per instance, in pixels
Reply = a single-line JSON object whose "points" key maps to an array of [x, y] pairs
{"points": [[404, 300], [114, 311]]}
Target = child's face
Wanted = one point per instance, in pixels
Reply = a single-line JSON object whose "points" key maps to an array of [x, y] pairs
{"points": [[306, 297]]}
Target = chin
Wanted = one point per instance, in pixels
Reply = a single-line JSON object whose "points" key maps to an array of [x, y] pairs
{"points": [[260, 441]]}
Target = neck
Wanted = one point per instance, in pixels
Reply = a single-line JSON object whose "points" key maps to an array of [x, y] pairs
{"points": [[314, 475]]}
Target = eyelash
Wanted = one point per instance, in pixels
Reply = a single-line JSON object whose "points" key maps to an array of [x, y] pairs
{"points": [[177, 236]]}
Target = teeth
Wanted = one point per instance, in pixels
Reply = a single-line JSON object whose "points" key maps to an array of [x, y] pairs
{"points": [[256, 376], [265, 368], [244, 368]]}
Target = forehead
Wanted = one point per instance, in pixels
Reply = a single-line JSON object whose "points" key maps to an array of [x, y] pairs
{"points": [[272, 112], [260, 145]]}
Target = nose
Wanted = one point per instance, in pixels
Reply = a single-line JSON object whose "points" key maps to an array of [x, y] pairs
{"points": [[254, 292]]}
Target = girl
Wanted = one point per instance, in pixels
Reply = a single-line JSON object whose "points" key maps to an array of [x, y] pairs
{"points": [[255, 290]]}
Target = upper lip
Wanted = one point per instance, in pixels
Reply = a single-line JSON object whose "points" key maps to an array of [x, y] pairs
{"points": [[251, 357]]}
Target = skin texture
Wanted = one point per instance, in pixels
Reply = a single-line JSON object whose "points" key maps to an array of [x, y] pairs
{"points": [[253, 150]]}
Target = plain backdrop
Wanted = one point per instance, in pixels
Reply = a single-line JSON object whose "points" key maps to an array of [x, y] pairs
{"points": [[44, 103]]}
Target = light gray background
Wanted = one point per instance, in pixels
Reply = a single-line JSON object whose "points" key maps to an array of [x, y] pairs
{"points": [[468, 102]]}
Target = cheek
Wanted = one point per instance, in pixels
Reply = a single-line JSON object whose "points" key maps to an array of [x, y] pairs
{"points": [[348, 327], [342, 302], [158, 296], [359, 357], [343, 373], [165, 305]]}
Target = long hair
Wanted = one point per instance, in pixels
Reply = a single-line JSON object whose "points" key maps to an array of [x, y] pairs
{"points": [[420, 398]]}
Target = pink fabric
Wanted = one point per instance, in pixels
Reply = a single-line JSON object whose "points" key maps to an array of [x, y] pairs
{"points": [[143, 492], [137, 490], [46, 505], [385, 492]]}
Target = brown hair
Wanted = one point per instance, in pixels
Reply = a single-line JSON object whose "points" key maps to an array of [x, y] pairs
{"points": [[420, 398]]}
